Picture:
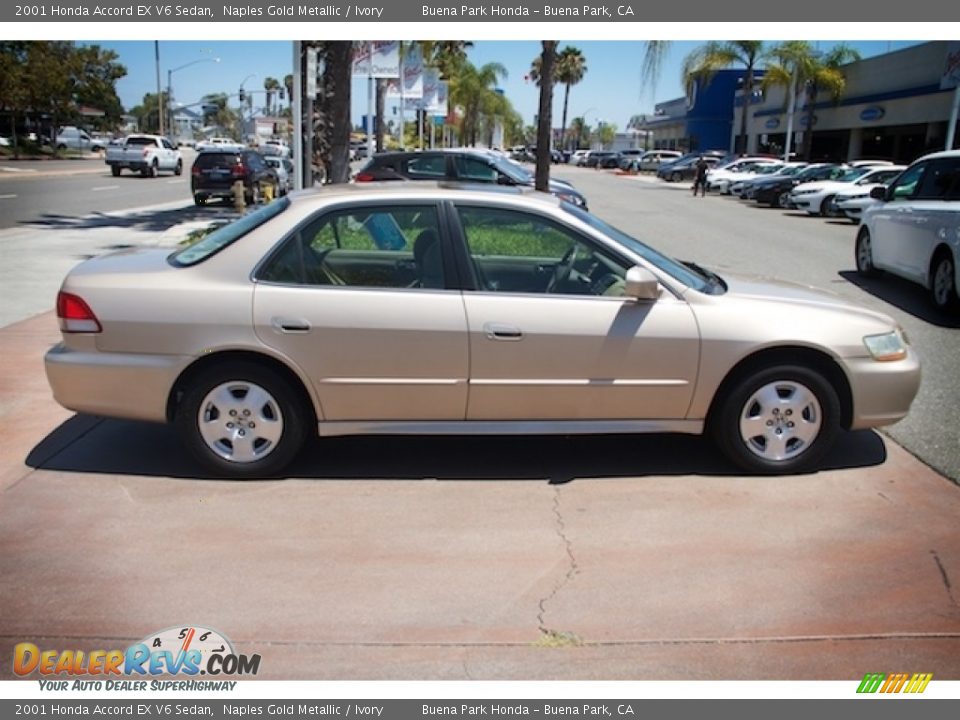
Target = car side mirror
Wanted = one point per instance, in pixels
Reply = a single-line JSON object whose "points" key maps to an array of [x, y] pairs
{"points": [[641, 284], [879, 192], [504, 180]]}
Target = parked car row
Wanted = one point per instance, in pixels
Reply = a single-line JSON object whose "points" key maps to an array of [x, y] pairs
{"points": [[909, 215]]}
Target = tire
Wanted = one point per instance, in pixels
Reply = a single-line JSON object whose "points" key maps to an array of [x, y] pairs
{"points": [[242, 420], [780, 420], [199, 200], [863, 255], [115, 170], [253, 197], [152, 171], [782, 200], [178, 170], [676, 177], [943, 284], [826, 209]]}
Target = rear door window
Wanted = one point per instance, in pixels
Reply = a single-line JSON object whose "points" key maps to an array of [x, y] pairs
{"points": [[429, 167]]}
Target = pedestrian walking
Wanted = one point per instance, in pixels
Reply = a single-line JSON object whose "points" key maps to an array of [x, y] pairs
{"points": [[700, 179]]}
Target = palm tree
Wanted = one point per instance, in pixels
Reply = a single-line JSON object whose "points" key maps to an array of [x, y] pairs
{"points": [[332, 116], [579, 130], [799, 62], [548, 59], [571, 67], [271, 86], [469, 87], [704, 62]]}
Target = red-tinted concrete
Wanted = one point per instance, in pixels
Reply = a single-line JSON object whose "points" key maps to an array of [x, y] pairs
{"points": [[445, 558]]}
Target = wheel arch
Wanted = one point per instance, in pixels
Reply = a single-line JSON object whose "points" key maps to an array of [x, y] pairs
{"points": [[204, 362], [811, 358], [939, 251]]}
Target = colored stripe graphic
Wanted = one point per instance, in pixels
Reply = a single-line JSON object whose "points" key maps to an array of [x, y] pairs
{"points": [[894, 682]]}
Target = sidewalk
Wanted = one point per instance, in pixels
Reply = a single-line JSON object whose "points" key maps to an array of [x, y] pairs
{"points": [[38, 257]]}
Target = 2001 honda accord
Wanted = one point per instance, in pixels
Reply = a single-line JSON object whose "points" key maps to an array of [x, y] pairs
{"points": [[440, 310]]}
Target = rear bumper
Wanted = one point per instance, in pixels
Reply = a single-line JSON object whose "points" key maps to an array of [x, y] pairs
{"points": [[119, 385]]}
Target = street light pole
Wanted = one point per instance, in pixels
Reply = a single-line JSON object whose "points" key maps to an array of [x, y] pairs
{"points": [[170, 89], [790, 111]]}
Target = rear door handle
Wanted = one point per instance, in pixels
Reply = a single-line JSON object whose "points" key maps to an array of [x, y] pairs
{"points": [[290, 325], [498, 331]]}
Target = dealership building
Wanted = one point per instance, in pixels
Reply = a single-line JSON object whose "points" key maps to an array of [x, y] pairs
{"points": [[895, 106]]}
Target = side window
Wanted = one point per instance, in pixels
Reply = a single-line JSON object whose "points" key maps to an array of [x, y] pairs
{"points": [[520, 252], [430, 167], [906, 185], [382, 246], [474, 170], [166, 144], [941, 181]]}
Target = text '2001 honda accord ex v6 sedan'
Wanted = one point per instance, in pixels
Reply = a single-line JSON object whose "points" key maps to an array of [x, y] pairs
{"points": [[401, 310]]}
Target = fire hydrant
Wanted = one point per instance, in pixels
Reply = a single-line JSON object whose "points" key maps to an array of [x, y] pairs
{"points": [[268, 193], [239, 196]]}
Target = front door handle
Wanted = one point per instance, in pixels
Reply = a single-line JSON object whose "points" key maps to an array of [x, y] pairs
{"points": [[290, 325], [498, 331]]}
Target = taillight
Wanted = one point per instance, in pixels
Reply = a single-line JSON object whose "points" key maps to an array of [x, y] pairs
{"points": [[75, 315], [363, 177], [239, 170], [195, 171]]}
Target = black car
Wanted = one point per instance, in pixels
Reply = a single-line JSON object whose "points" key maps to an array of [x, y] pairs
{"points": [[602, 158], [685, 166], [775, 190], [467, 166], [215, 171]]}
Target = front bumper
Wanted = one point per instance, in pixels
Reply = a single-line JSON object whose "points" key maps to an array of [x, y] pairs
{"points": [[882, 391]]}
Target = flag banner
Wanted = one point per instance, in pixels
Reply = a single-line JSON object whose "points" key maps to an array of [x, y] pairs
{"points": [[385, 62]]}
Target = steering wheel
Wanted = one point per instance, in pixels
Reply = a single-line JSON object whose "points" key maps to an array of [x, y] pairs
{"points": [[563, 269]]}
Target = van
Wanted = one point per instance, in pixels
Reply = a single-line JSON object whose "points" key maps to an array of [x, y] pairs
{"points": [[651, 160]]}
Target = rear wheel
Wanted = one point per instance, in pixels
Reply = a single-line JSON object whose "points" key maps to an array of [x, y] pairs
{"points": [[115, 170], [779, 420], [178, 170], [676, 177], [242, 420], [863, 252], [943, 285], [199, 199]]}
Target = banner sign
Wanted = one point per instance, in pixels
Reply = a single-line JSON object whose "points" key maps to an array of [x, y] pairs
{"points": [[412, 75], [385, 62]]}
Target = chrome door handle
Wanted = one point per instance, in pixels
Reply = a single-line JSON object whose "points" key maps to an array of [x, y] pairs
{"points": [[498, 331], [290, 325]]}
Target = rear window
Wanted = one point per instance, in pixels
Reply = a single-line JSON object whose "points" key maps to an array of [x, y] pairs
{"points": [[216, 159], [227, 234], [140, 141]]}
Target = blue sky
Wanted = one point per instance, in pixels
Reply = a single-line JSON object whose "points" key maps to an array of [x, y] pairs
{"points": [[611, 90]]}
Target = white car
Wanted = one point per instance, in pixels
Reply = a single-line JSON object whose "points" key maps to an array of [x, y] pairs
{"points": [[731, 184], [817, 198], [284, 168], [579, 157], [717, 177], [853, 201], [914, 229]]}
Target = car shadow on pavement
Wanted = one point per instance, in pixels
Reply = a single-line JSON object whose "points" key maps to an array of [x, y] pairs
{"points": [[87, 444], [147, 221], [907, 296]]}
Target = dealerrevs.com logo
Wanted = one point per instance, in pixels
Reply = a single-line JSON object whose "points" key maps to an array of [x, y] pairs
{"points": [[179, 651], [894, 683]]}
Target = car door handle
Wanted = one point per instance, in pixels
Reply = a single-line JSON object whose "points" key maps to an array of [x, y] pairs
{"points": [[290, 325], [497, 331]]}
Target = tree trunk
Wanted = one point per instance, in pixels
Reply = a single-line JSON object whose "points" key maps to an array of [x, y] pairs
{"points": [[335, 109], [563, 126], [380, 111], [747, 94], [545, 119], [808, 130]]}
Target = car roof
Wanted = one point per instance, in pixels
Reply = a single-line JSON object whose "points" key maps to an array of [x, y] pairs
{"points": [[422, 190]]}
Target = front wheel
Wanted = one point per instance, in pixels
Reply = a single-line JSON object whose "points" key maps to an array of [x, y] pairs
{"points": [[242, 420], [777, 421], [676, 177], [863, 253], [943, 286], [827, 208]]}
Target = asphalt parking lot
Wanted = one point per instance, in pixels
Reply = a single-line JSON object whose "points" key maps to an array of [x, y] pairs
{"points": [[608, 558]]}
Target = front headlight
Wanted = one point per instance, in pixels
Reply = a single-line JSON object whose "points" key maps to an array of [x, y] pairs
{"points": [[571, 198], [887, 347], [804, 192]]}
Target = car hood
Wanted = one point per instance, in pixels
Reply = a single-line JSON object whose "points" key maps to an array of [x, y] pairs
{"points": [[819, 185], [790, 293]]}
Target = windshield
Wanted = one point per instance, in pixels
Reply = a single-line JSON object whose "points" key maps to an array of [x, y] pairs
{"points": [[852, 174], [680, 272], [227, 234]]}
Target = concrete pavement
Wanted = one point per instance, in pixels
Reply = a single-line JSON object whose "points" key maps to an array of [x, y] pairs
{"points": [[474, 558]]}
